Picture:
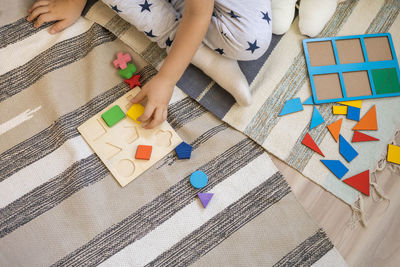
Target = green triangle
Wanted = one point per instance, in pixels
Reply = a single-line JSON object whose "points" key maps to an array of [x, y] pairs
{"points": [[386, 81]]}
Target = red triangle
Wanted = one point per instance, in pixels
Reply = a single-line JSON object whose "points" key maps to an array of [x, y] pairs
{"points": [[309, 142], [360, 182], [362, 137], [368, 122]]}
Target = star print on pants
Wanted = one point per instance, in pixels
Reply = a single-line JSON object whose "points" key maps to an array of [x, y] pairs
{"points": [[168, 42], [115, 8], [266, 16], [145, 6], [233, 15], [220, 50], [252, 46], [150, 33]]}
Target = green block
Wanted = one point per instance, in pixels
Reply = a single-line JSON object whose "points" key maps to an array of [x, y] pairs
{"points": [[386, 81], [128, 72], [113, 115]]}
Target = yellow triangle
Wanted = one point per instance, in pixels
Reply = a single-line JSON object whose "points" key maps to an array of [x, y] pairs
{"points": [[353, 103]]}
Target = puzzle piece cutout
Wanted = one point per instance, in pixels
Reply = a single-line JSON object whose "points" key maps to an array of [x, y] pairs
{"points": [[291, 106], [346, 150], [352, 103], [386, 81], [334, 129], [339, 110], [359, 182], [369, 121], [309, 101], [198, 179], [183, 150], [128, 72], [205, 198], [121, 60], [133, 81], [362, 137], [113, 115], [143, 152], [310, 143], [336, 167], [353, 113], [393, 154], [316, 119], [116, 146]]}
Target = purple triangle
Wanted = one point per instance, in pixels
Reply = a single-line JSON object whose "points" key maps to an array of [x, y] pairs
{"points": [[205, 198]]}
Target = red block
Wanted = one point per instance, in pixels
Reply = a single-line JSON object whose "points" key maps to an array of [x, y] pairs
{"points": [[309, 142], [360, 182], [133, 81], [362, 137]]}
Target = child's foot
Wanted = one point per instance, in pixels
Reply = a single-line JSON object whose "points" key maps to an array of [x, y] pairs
{"points": [[225, 72]]}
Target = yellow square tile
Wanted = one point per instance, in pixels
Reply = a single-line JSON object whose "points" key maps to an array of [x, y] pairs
{"points": [[339, 110], [135, 112], [393, 154]]}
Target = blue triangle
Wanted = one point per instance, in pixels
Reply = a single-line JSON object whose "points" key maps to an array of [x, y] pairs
{"points": [[347, 151], [309, 101], [291, 106], [336, 167], [316, 119], [205, 198]]}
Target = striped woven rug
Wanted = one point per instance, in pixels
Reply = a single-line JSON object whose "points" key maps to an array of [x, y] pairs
{"points": [[279, 75], [60, 206]]}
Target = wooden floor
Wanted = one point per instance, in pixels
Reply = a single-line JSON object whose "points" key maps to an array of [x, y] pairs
{"points": [[378, 244]]}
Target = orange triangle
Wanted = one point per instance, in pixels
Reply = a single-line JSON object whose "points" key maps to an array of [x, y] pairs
{"points": [[360, 182], [368, 122], [334, 128]]}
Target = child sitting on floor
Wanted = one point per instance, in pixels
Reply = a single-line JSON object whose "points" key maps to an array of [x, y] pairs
{"points": [[212, 34]]}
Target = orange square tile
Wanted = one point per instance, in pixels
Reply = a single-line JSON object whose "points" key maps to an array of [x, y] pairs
{"points": [[143, 152]]}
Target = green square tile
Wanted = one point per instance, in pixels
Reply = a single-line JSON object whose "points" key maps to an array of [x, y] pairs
{"points": [[113, 115], [386, 81]]}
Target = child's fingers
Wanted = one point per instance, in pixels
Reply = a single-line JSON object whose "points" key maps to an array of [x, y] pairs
{"points": [[37, 12], [148, 111], [59, 26], [38, 4], [44, 18], [157, 119], [139, 97]]}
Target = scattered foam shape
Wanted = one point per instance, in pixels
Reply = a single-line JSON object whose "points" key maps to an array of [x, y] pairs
{"points": [[183, 150], [336, 167], [339, 110], [133, 81], [334, 128], [113, 115], [121, 60], [316, 119], [353, 113], [135, 112], [393, 154], [362, 137], [309, 142], [128, 72], [346, 150], [291, 106], [198, 179], [353, 103], [359, 182], [143, 152], [309, 101], [205, 198], [368, 122]]}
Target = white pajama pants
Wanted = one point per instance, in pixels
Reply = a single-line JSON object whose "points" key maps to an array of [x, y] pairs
{"points": [[239, 29]]}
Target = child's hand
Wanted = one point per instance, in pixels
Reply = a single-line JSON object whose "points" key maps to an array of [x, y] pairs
{"points": [[66, 12], [158, 92]]}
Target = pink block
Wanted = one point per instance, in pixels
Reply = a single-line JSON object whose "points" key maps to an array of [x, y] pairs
{"points": [[121, 60]]}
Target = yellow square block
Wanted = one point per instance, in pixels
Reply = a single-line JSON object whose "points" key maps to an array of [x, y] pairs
{"points": [[353, 103], [393, 154], [339, 110], [135, 112]]}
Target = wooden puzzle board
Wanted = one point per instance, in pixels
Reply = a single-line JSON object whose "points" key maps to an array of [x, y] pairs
{"points": [[352, 67], [116, 146]]}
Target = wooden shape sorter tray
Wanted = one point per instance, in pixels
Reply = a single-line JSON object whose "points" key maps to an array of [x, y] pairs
{"points": [[116, 146], [352, 67]]}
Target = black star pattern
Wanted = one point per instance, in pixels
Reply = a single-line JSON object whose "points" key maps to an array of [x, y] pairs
{"points": [[233, 15], [266, 16], [168, 42], [213, 14], [115, 8], [252, 46], [145, 6], [220, 50], [150, 33]]}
